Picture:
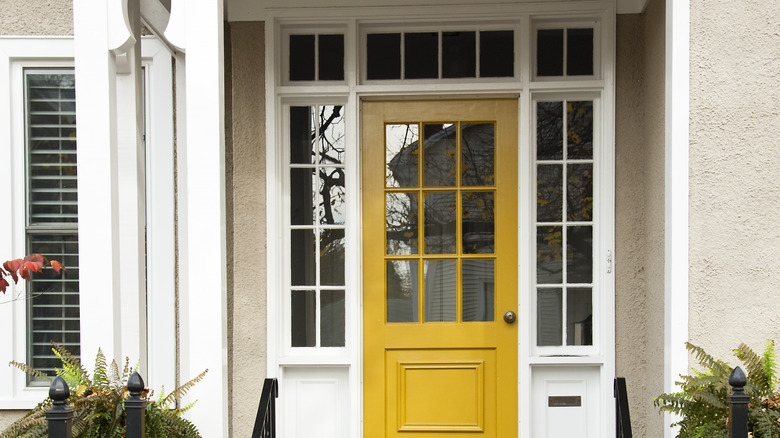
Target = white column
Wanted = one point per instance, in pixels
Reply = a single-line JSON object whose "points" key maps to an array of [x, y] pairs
{"points": [[676, 196], [97, 181], [203, 285]]}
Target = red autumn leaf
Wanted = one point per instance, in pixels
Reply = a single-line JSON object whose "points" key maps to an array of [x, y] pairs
{"points": [[33, 266], [24, 273], [35, 258], [57, 266], [3, 285]]}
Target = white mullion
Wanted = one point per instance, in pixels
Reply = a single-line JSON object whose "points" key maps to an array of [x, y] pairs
{"points": [[315, 222], [440, 56], [316, 56], [478, 52], [403, 56], [564, 220]]}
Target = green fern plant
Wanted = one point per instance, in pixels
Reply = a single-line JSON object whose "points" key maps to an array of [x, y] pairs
{"points": [[98, 402], [703, 401]]}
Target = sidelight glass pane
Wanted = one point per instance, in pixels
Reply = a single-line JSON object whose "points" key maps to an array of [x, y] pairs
{"points": [[579, 316], [579, 254], [401, 155], [333, 204], [497, 54], [332, 257], [478, 154], [579, 121], [579, 192], [421, 55], [549, 192], [303, 309], [384, 56], [402, 291], [478, 283], [301, 57], [331, 142], [331, 57], [549, 130], [579, 52], [302, 133], [440, 290], [459, 54], [439, 157], [440, 223], [549, 255], [303, 255], [549, 52], [549, 311], [303, 196], [479, 223], [332, 318], [401, 213]]}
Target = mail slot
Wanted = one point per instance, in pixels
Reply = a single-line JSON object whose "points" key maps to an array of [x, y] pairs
{"points": [[558, 401]]}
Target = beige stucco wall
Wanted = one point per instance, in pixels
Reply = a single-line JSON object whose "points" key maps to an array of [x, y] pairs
{"points": [[36, 17], [8, 417], [639, 221], [734, 174], [247, 260]]}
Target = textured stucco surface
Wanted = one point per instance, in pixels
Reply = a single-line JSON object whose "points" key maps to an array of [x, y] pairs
{"points": [[248, 316], [639, 220], [36, 17], [8, 417], [734, 174]]}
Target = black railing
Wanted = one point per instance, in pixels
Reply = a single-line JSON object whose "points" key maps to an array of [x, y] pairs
{"points": [[621, 409], [265, 423], [738, 405]]}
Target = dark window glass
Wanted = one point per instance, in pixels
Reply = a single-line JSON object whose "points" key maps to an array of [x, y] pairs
{"points": [[422, 55], [549, 130], [303, 200], [331, 54], [549, 264], [301, 57], [302, 258], [384, 56], [301, 135], [497, 54], [579, 53], [303, 318], [549, 52], [332, 318], [549, 310], [459, 55], [579, 254]]}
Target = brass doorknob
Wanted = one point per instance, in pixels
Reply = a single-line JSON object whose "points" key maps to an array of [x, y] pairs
{"points": [[510, 317]]}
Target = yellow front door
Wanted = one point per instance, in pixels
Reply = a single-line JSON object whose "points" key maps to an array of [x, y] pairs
{"points": [[439, 268]]}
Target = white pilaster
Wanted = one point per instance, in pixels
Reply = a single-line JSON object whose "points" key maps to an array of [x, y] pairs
{"points": [[97, 181], [676, 196], [203, 285]]}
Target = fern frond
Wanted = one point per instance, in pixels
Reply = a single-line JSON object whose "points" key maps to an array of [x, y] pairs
{"points": [[30, 371], [770, 363], [715, 366], [115, 377], [754, 365], [67, 358], [100, 376], [179, 392]]}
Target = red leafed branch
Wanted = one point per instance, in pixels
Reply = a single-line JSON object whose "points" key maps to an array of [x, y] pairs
{"points": [[24, 268]]}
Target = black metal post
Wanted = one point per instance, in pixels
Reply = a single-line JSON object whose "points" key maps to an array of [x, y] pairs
{"points": [[738, 405], [60, 416], [623, 417], [135, 407]]}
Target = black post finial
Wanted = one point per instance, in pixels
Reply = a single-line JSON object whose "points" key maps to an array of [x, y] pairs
{"points": [[738, 405], [60, 416], [135, 407]]}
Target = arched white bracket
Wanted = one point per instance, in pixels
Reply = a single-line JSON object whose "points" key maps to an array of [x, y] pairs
{"points": [[176, 32], [120, 34]]}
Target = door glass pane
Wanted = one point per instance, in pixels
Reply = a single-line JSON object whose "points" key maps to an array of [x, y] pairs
{"points": [[402, 291], [579, 192], [549, 130], [477, 154], [579, 254], [384, 56], [303, 197], [303, 252], [440, 226], [579, 52], [580, 130], [459, 54], [439, 156], [549, 308], [478, 280], [549, 52], [401, 155], [332, 142], [549, 192], [332, 257], [440, 290], [302, 134], [496, 54], [421, 55], [579, 316], [478, 222], [333, 202], [332, 318], [401, 212], [549, 255], [304, 332]]}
